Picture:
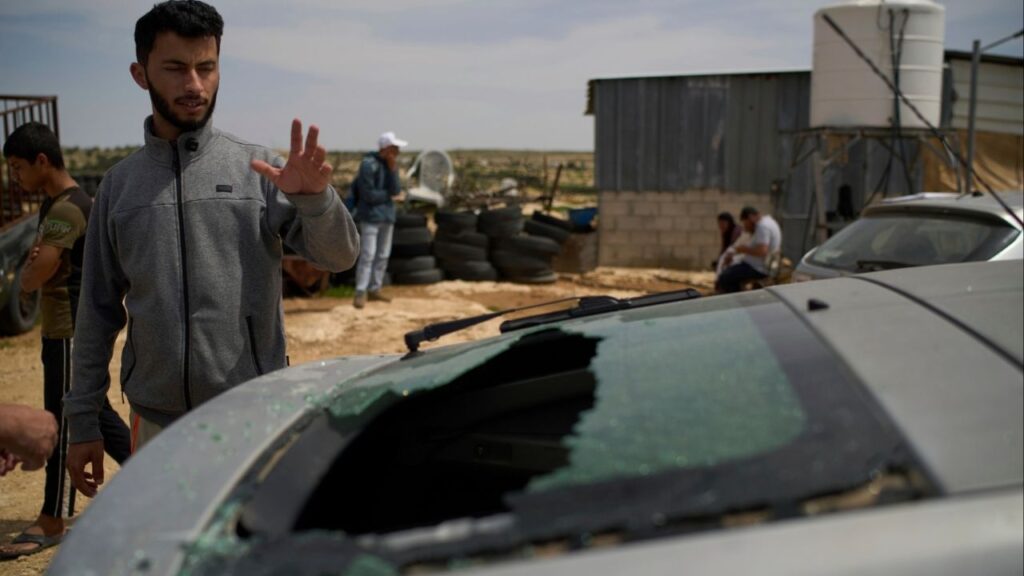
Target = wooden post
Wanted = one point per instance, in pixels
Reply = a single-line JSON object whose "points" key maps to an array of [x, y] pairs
{"points": [[554, 187]]}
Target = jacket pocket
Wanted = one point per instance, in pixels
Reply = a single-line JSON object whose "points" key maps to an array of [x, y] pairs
{"points": [[252, 346], [375, 197]]}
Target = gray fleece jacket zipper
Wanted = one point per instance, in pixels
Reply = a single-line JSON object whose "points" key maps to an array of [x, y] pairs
{"points": [[176, 164], [191, 253]]}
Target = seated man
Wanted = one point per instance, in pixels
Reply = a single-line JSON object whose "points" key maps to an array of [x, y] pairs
{"points": [[766, 240]]}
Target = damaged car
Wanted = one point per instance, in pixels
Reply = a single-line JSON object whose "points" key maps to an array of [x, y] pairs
{"points": [[866, 424]]}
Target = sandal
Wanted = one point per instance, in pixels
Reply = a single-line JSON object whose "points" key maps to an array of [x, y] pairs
{"points": [[43, 542]]}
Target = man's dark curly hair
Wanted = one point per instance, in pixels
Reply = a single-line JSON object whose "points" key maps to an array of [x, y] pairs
{"points": [[186, 18]]}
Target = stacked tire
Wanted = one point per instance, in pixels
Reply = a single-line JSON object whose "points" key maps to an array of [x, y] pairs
{"points": [[541, 224], [460, 250], [518, 256], [411, 259]]}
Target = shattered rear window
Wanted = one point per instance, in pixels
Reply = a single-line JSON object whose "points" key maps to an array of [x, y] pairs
{"points": [[674, 397], [422, 372], [687, 416]]}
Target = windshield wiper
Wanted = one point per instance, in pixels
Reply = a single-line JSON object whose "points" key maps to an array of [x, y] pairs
{"points": [[586, 306], [876, 265]]}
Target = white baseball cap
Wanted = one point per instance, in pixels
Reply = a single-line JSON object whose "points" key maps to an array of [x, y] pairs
{"points": [[389, 139]]}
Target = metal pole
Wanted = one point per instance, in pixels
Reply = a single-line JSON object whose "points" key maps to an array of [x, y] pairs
{"points": [[820, 221], [1016, 34], [971, 111]]}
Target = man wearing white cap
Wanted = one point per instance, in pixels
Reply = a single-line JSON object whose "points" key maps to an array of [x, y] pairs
{"points": [[375, 187]]}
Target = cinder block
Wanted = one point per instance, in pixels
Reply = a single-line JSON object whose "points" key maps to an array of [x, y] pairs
{"points": [[683, 197], [653, 254], [690, 253], [655, 197], [703, 209], [709, 253], [614, 208], [661, 223], [579, 254], [644, 237], [608, 256], [643, 208], [708, 225], [631, 251], [711, 195], [615, 239], [631, 223], [730, 205], [682, 223], [673, 238]]}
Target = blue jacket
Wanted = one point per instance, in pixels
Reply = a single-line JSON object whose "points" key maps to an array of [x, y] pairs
{"points": [[375, 186]]}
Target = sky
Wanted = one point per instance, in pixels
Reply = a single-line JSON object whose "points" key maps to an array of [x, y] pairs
{"points": [[447, 74]]}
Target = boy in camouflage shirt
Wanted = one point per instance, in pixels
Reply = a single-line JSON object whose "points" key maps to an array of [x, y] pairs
{"points": [[54, 266]]}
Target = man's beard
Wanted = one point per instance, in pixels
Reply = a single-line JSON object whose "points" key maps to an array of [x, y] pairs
{"points": [[163, 107]]}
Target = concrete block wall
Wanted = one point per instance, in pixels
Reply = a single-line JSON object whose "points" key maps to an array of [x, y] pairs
{"points": [[666, 229]]}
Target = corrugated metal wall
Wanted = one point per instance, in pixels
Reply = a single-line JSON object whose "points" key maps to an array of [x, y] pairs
{"points": [[659, 134], [696, 132]]}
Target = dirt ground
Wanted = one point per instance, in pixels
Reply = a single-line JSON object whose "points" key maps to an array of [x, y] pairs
{"points": [[320, 328]]}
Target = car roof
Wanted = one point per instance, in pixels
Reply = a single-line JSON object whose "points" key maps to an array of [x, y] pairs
{"points": [[977, 203], [940, 348], [978, 297]]}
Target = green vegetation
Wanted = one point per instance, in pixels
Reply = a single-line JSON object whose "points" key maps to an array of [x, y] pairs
{"points": [[95, 160], [341, 292]]}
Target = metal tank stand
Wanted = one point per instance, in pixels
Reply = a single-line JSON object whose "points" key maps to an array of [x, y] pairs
{"points": [[828, 148]]}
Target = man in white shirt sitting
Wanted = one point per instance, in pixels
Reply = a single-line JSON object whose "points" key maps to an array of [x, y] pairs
{"points": [[766, 240]]}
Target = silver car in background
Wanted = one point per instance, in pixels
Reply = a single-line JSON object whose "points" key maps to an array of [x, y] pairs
{"points": [[920, 230]]}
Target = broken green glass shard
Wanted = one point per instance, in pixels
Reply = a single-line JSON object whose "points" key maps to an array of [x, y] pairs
{"points": [[678, 394]]}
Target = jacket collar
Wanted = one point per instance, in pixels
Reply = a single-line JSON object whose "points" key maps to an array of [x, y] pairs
{"points": [[189, 144]]}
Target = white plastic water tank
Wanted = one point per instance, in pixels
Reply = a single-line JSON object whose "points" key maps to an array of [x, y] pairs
{"points": [[844, 90]]}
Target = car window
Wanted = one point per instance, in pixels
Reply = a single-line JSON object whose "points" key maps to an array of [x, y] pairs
{"points": [[686, 413], [906, 239], [729, 397]]}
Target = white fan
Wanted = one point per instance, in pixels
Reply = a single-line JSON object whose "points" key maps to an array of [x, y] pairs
{"points": [[435, 175]]}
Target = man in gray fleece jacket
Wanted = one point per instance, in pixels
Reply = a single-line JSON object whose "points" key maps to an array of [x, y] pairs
{"points": [[185, 244]]}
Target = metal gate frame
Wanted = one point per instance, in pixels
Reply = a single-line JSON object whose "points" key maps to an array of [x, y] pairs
{"points": [[17, 204]]}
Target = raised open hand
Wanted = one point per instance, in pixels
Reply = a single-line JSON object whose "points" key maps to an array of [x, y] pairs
{"points": [[305, 172]]}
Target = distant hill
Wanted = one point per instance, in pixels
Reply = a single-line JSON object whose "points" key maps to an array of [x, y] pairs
{"points": [[474, 169]]}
